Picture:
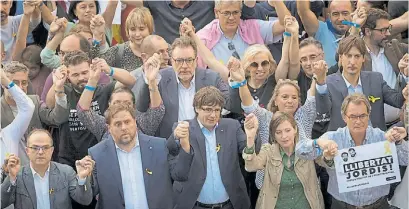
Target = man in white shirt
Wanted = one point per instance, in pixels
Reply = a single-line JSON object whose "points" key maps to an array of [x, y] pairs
{"points": [[10, 24], [49, 185]]}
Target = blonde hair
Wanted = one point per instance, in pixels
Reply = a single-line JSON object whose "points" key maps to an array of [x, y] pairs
{"points": [[253, 51], [271, 106], [355, 98], [139, 16], [279, 118]]}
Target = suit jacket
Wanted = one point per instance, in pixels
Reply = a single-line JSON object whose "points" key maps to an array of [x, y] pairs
{"points": [[189, 170], [107, 181], [372, 85], [63, 187], [168, 88]]}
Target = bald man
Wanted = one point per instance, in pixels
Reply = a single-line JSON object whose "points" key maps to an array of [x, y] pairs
{"points": [[329, 32]]}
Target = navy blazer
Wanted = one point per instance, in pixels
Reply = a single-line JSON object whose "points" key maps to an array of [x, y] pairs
{"points": [[189, 170], [107, 181]]}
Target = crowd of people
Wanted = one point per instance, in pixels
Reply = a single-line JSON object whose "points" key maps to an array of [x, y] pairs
{"points": [[204, 104]]}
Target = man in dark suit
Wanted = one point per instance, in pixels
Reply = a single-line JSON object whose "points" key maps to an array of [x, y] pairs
{"points": [[205, 164], [178, 85], [131, 169], [333, 90]]}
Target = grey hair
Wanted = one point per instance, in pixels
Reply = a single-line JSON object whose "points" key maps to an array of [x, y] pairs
{"points": [[15, 67], [311, 41], [218, 3]]}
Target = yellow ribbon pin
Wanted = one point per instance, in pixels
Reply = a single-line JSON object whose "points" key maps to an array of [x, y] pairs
{"points": [[218, 147], [387, 147], [148, 171], [51, 191], [373, 99]]}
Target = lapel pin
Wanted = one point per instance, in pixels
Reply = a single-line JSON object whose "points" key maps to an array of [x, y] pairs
{"points": [[148, 171], [51, 190], [150, 147], [373, 99], [218, 147]]}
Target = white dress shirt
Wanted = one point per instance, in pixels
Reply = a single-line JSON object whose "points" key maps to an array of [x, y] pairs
{"points": [[133, 184], [186, 96], [42, 188]]}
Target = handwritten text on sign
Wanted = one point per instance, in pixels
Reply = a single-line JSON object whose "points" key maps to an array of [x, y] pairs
{"points": [[367, 166]]}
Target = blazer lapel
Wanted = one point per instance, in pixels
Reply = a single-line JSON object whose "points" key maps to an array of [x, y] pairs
{"points": [[200, 138], [199, 79], [366, 84], [29, 184], [222, 146], [6, 113], [54, 181], [342, 85], [147, 162], [173, 93], [114, 164]]}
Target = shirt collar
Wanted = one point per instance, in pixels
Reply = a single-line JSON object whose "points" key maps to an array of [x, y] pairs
{"points": [[136, 145], [349, 84], [352, 142], [34, 172], [204, 128], [192, 82], [381, 50]]}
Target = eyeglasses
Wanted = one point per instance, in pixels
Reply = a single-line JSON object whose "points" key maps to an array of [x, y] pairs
{"points": [[313, 57], [21, 83], [383, 30], [228, 14], [211, 110], [180, 61], [233, 48], [38, 148], [264, 64], [356, 117]]}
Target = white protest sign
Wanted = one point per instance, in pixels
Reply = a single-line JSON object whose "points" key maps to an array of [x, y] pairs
{"points": [[367, 166]]}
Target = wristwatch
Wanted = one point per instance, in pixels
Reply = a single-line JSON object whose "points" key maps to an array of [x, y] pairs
{"points": [[248, 150]]}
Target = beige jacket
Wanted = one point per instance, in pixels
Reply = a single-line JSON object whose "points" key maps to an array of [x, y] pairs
{"points": [[270, 159]]}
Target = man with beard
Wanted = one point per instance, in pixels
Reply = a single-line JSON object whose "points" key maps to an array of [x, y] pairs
{"points": [[329, 32], [10, 24], [382, 55], [75, 138]]}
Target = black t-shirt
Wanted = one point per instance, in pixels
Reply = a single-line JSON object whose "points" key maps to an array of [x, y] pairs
{"points": [[75, 139]]}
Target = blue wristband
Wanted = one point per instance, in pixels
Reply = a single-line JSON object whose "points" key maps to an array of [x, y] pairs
{"points": [[112, 72], [11, 84], [95, 42], [90, 88], [238, 85], [287, 34], [356, 25]]}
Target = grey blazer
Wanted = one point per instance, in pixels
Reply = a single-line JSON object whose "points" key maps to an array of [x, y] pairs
{"points": [[168, 89], [107, 181], [372, 85], [63, 184], [189, 170]]}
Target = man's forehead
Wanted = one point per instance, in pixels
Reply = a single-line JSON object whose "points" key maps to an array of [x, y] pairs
{"points": [[340, 6]]}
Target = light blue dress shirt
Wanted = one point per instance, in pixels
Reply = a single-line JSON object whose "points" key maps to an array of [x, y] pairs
{"points": [[213, 190], [222, 52], [306, 150], [329, 42], [323, 89], [186, 96], [133, 184], [42, 188]]}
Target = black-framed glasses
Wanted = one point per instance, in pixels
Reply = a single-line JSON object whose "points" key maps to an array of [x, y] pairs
{"points": [[264, 64], [233, 48], [228, 14], [38, 148], [356, 117], [383, 30], [211, 110], [180, 61]]}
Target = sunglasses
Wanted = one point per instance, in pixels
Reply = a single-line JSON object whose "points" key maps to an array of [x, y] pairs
{"points": [[264, 64]]}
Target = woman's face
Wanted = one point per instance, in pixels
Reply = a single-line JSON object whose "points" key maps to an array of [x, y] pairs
{"points": [[85, 10], [260, 67], [285, 135], [137, 33], [287, 99]]}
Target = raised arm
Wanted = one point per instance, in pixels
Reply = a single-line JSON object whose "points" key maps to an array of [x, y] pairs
{"points": [[294, 55], [252, 161], [46, 14], [284, 64], [307, 17], [109, 13], [56, 35], [399, 24], [136, 3], [118, 74], [237, 74], [21, 40]]}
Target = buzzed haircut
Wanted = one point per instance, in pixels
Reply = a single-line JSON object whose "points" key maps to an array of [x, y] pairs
{"points": [[147, 43]]}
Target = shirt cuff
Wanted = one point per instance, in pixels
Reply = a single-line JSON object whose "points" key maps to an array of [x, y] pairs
{"points": [[251, 108], [62, 101], [81, 182], [158, 78], [321, 89]]}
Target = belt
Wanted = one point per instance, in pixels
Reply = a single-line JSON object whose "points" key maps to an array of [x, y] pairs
{"points": [[213, 206], [374, 205]]}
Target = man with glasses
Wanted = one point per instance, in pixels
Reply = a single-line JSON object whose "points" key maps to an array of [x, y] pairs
{"points": [[18, 73], [355, 111], [228, 35], [383, 55], [203, 157], [330, 31], [178, 84], [43, 183], [332, 90]]}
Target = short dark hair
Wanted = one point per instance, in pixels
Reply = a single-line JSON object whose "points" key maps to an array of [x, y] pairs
{"points": [[75, 58], [346, 44], [123, 90], [39, 130], [73, 7], [345, 153], [116, 108], [184, 42], [311, 41], [373, 16], [31, 54], [208, 96]]}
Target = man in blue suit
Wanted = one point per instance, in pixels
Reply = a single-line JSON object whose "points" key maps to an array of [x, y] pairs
{"points": [[131, 169]]}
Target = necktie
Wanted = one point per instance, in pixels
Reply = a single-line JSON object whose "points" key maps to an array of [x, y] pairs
{"points": [[63, 5]]}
